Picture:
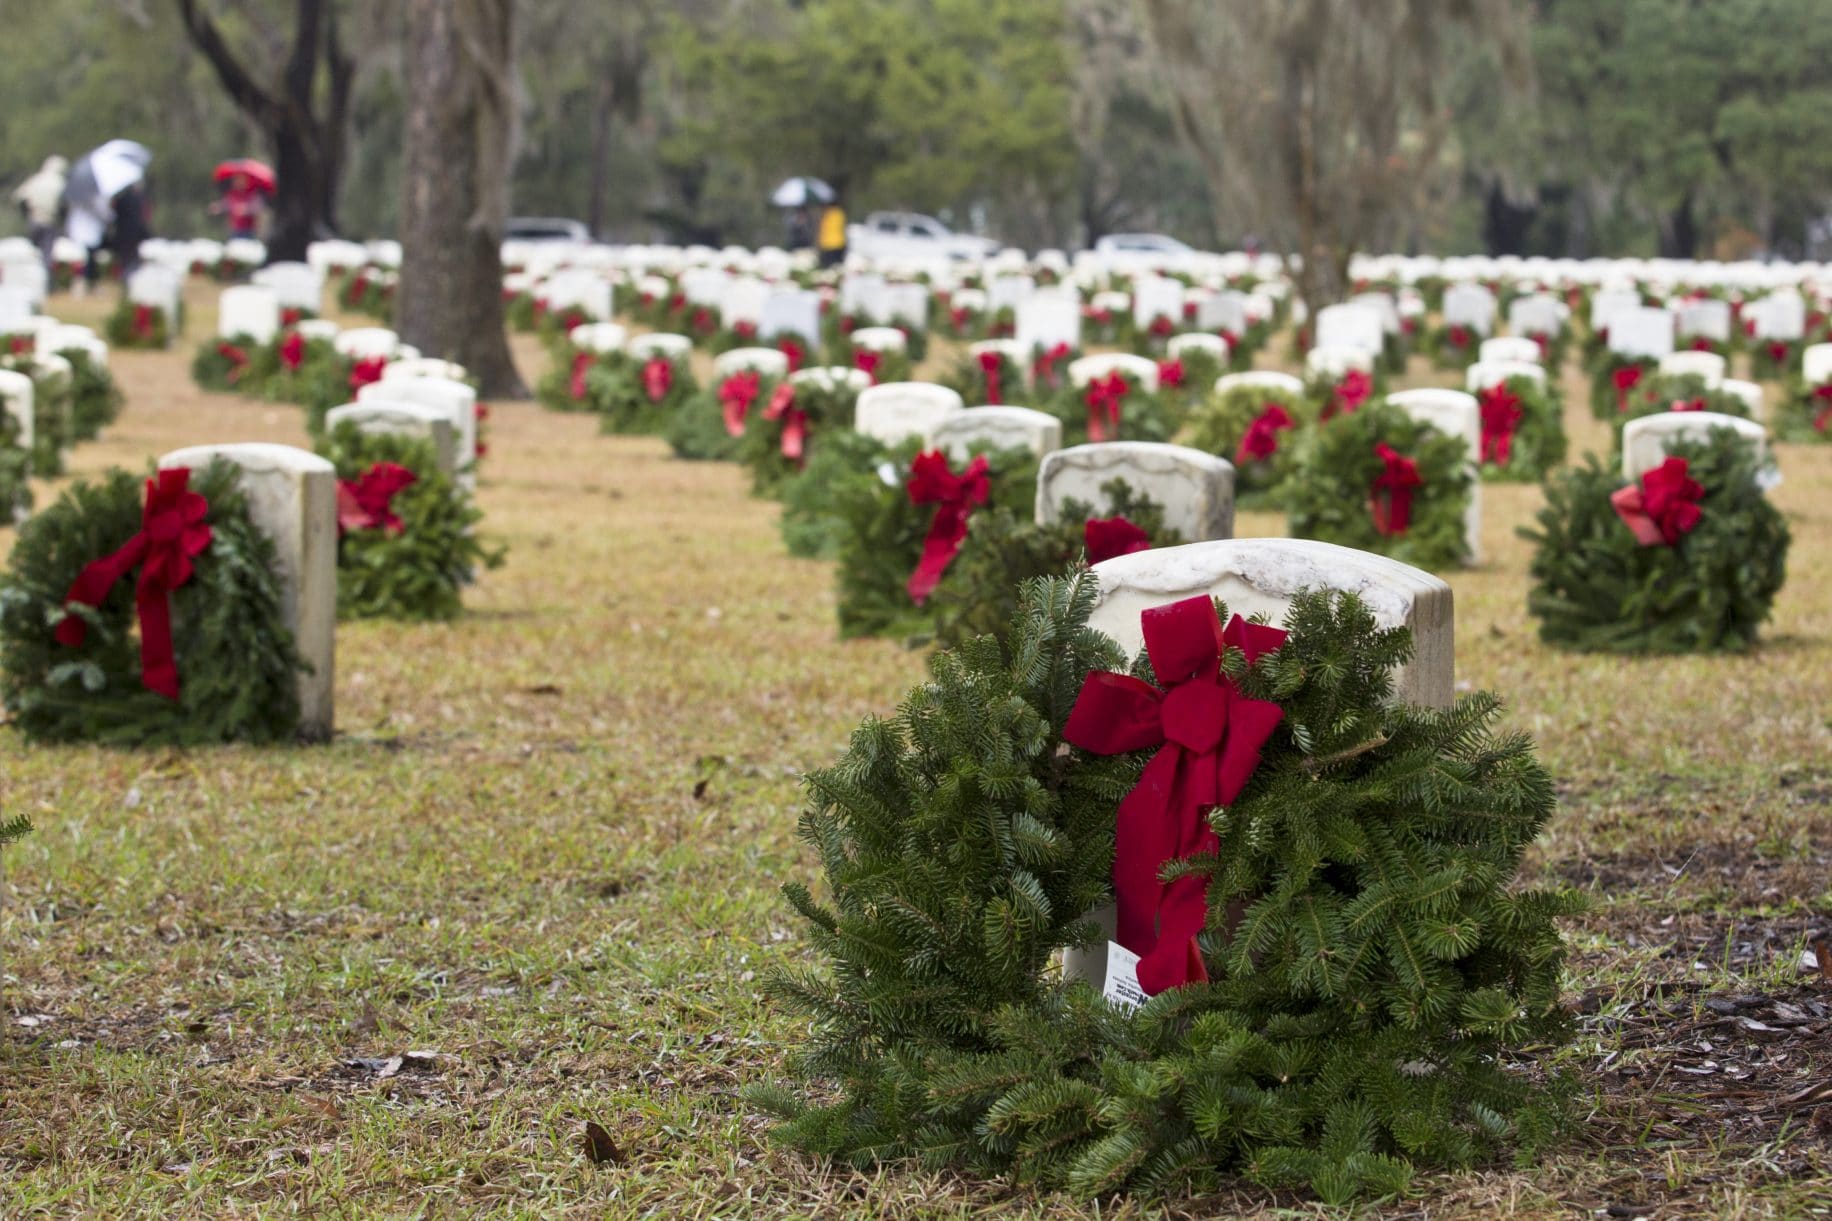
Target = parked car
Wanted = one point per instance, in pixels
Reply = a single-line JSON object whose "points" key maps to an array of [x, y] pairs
{"points": [[1140, 243], [545, 229], [911, 235]]}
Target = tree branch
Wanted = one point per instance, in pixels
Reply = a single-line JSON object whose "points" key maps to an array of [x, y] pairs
{"points": [[249, 97]]}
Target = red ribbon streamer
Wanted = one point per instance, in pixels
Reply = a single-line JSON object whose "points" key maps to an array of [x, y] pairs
{"points": [[1043, 368], [1209, 737], [954, 497], [292, 350], [1625, 379], [1107, 537], [1170, 373], [367, 502], [1501, 416], [143, 322], [1664, 507], [238, 360], [1104, 398], [867, 361], [795, 353], [581, 365], [1391, 496], [657, 378], [1261, 440], [736, 394], [794, 421], [367, 370], [993, 366], [172, 532]]}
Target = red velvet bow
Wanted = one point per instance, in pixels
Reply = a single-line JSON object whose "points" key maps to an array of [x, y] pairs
{"points": [[744, 329], [1104, 397], [1043, 368], [366, 503], [1391, 496], [172, 532], [1664, 507], [1170, 373], [1625, 379], [367, 370], [1105, 537], [1458, 337], [1542, 342], [795, 353], [1209, 737], [237, 358], [794, 421], [957, 316], [292, 350], [1261, 440], [1501, 415], [954, 497], [657, 377], [1701, 344], [1351, 392], [1779, 352], [143, 322], [1686, 405], [291, 315], [702, 320], [581, 365], [867, 361], [736, 394], [19, 345], [992, 365], [1161, 327]]}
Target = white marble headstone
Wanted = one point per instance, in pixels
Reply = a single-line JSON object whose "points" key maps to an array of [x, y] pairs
{"points": [[1046, 319], [1260, 379], [17, 393], [248, 309], [403, 419], [995, 428], [767, 361], [1140, 371], [1708, 365], [1456, 414], [292, 499], [1195, 489], [1647, 440], [455, 399], [1509, 348], [897, 410], [1486, 373], [1638, 331], [792, 312]]}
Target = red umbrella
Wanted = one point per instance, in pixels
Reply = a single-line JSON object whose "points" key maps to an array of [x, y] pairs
{"points": [[259, 175]]}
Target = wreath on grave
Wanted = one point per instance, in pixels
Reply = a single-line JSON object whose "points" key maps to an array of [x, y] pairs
{"points": [[902, 522], [15, 472], [95, 399], [1344, 395], [367, 293], [133, 325], [407, 541], [229, 364], [1106, 327], [1113, 407], [1523, 430], [1686, 559], [1553, 347], [782, 431], [1806, 413], [1257, 429], [1005, 549], [1660, 393], [963, 323], [1614, 380], [881, 367], [1451, 345], [1772, 360], [1373, 975], [1384, 482], [1190, 375], [50, 415], [147, 613], [1686, 341], [639, 395], [711, 424], [989, 379], [519, 311]]}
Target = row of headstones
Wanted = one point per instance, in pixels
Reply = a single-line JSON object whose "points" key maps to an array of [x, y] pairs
{"points": [[52, 344], [1653, 331]]}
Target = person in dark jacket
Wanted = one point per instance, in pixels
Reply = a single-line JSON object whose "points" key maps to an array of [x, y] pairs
{"points": [[129, 230]]}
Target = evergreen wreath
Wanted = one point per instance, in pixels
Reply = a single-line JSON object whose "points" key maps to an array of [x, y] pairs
{"points": [[1523, 430], [710, 425], [15, 472], [1451, 346], [1256, 428], [132, 325], [95, 399], [1773, 359], [881, 367], [784, 431], [236, 664], [1614, 382], [847, 469], [1331, 496], [1368, 1011], [1805, 414], [882, 536], [1191, 374], [1143, 415], [1597, 588], [415, 567], [639, 395], [1005, 548], [992, 379], [50, 419], [226, 363]]}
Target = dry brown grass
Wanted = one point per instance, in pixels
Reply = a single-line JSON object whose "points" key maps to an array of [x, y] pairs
{"points": [[545, 847]]}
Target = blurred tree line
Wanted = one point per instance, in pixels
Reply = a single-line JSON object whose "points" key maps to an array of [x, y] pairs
{"points": [[1686, 127]]}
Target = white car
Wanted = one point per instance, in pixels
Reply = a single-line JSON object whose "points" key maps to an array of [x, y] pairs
{"points": [[911, 235], [1136, 252]]}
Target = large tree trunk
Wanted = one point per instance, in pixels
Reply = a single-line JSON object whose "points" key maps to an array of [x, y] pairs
{"points": [[454, 198]]}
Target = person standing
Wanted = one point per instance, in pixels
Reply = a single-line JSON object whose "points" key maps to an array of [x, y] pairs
{"points": [[832, 240], [241, 204], [131, 227], [41, 202]]}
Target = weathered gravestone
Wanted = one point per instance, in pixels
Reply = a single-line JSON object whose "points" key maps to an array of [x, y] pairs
{"points": [[994, 428], [248, 309], [1194, 489], [292, 499], [766, 361], [455, 400], [1260, 576], [1647, 441], [897, 410], [415, 420]]}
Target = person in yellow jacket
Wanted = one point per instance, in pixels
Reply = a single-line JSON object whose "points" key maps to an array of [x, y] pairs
{"points": [[831, 240]]}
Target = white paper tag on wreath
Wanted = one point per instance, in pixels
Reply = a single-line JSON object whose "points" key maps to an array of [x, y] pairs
{"points": [[1122, 987]]}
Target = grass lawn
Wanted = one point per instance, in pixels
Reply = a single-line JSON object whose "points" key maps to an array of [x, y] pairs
{"points": [[532, 883]]}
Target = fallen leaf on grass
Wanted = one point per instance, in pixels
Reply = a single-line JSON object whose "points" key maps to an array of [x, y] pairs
{"points": [[599, 1146]]}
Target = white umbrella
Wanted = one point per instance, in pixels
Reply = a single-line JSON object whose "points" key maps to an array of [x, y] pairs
{"points": [[105, 172], [799, 192]]}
